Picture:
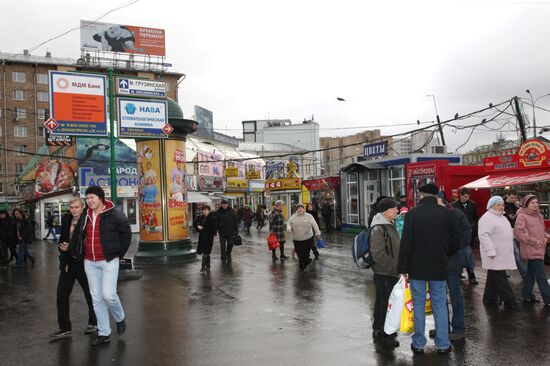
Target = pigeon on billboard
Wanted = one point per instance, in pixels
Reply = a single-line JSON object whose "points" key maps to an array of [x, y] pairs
{"points": [[122, 38]]}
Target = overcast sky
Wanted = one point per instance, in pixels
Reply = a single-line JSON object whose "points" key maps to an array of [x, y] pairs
{"points": [[291, 58]]}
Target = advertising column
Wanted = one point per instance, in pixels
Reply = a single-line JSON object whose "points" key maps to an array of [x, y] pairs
{"points": [[177, 189], [150, 198]]}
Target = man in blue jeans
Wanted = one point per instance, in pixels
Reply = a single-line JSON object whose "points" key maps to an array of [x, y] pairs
{"points": [[430, 236]]}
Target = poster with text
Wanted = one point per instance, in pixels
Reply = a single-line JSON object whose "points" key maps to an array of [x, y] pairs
{"points": [[150, 207], [177, 189]]}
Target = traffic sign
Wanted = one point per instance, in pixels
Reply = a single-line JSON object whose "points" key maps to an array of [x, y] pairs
{"points": [[78, 103], [141, 118], [141, 88], [51, 124], [168, 129]]}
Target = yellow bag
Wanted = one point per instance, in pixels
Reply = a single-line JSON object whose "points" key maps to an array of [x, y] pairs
{"points": [[407, 315]]}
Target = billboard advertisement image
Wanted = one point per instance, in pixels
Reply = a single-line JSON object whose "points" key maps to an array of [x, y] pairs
{"points": [[122, 38], [142, 118], [150, 206], [177, 189], [205, 120]]}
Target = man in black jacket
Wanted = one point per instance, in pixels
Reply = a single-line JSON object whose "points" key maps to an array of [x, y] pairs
{"points": [[429, 237], [102, 237], [469, 208], [227, 229]]}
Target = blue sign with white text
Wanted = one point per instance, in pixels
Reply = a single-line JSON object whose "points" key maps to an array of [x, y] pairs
{"points": [[376, 150]]}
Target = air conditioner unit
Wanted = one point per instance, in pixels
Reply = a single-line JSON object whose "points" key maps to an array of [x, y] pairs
{"points": [[439, 149]]}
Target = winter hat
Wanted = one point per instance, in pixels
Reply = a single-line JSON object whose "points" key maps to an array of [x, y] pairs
{"points": [[403, 210], [429, 188], [299, 205], [97, 190], [386, 204], [493, 201], [527, 199], [224, 201]]}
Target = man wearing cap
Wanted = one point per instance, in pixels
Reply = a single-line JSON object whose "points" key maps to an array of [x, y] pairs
{"points": [[227, 229], [430, 236], [102, 236]]}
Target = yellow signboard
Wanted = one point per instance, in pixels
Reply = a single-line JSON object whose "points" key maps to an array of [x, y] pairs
{"points": [[237, 184], [231, 172], [253, 174], [282, 184]]}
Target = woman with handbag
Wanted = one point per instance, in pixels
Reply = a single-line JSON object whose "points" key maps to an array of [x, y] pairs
{"points": [[207, 226], [533, 238], [304, 230]]}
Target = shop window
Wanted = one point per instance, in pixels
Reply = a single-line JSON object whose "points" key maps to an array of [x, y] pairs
{"points": [[397, 182], [42, 79], [353, 199], [18, 77]]}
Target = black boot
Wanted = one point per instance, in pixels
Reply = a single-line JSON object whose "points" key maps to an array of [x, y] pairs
{"points": [[472, 278], [208, 264], [282, 249], [203, 266]]}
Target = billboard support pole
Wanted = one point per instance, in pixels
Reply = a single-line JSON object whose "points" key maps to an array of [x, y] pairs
{"points": [[112, 141]]}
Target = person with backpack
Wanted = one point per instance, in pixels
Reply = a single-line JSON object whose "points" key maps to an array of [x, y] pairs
{"points": [[384, 246]]}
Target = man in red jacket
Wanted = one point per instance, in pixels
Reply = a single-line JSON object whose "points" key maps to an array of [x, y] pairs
{"points": [[102, 239]]}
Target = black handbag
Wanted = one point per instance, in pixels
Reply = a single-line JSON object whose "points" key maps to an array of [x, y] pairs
{"points": [[237, 240]]}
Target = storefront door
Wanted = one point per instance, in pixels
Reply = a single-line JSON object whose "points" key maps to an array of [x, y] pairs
{"points": [[371, 191], [130, 210]]}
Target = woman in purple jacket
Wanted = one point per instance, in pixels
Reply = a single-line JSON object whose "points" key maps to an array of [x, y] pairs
{"points": [[531, 234], [496, 246]]}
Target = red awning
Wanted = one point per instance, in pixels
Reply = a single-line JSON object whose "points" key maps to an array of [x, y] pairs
{"points": [[509, 179]]}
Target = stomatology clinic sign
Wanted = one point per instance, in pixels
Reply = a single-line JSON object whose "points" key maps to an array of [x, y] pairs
{"points": [[78, 104], [140, 118]]}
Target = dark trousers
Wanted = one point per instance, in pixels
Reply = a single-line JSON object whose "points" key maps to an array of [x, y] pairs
{"points": [[384, 286], [3, 254], [65, 287], [226, 246], [497, 287], [281, 249], [302, 248], [457, 302], [535, 272]]}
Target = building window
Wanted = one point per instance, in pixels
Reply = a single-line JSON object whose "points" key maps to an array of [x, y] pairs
{"points": [[41, 132], [43, 114], [19, 113], [1, 187], [20, 150], [42, 79], [43, 96], [397, 182], [19, 95], [19, 167], [20, 131], [18, 77]]}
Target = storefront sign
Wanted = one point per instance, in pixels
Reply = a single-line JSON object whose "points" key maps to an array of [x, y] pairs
{"points": [[376, 150], [121, 191], [531, 154], [237, 185], [211, 184], [210, 164], [274, 170], [254, 170], [78, 104], [418, 174], [231, 172], [149, 190], [321, 184], [281, 184], [53, 176], [140, 118], [256, 185], [141, 88], [87, 177], [58, 140], [176, 189]]}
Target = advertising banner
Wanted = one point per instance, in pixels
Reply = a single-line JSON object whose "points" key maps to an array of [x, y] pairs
{"points": [[210, 164], [237, 185], [78, 104], [254, 170], [282, 184], [418, 174], [231, 171], [141, 118], [53, 176], [205, 120], [531, 154], [58, 140], [122, 38], [149, 190], [176, 188], [211, 184]]}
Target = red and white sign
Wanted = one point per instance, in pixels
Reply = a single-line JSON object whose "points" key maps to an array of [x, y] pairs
{"points": [[51, 124], [78, 103], [168, 129]]}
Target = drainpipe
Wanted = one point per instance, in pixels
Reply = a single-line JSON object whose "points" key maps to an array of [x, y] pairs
{"points": [[5, 180], [35, 97]]}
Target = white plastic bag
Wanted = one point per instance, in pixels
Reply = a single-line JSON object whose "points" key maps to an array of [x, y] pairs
{"points": [[395, 307]]}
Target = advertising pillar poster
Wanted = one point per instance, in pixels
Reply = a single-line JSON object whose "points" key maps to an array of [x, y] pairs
{"points": [[177, 189], [150, 195]]}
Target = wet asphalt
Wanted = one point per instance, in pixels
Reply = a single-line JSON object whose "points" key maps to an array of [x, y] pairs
{"points": [[251, 312]]}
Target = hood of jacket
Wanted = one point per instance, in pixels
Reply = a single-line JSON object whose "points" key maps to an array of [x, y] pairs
{"points": [[379, 219], [528, 211], [109, 205]]}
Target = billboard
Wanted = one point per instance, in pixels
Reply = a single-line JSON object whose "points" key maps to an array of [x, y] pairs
{"points": [[53, 176], [205, 120], [78, 104], [142, 118], [122, 38], [150, 206], [176, 188]]}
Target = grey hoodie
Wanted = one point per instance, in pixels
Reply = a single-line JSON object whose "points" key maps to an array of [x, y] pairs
{"points": [[385, 253]]}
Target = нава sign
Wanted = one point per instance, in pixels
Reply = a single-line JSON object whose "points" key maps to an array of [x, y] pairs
{"points": [[78, 103], [142, 118]]}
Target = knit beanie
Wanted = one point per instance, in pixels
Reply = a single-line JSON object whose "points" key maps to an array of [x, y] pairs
{"points": [[493, 201], [527, 199], [97, 190], [386, 204]]}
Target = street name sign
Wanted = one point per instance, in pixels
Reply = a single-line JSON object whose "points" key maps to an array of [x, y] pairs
{"points": [[140, 118], [78, 104], [141, 88]]}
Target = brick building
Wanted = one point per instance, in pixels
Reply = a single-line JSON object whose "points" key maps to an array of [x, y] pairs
{"points": [[24, 104]]}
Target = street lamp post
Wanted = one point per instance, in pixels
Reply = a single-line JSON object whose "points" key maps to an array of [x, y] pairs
{"points": [[438, 120]]}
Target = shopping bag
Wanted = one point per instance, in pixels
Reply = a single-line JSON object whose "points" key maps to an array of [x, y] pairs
{"points": [[428, 307], [237, 240], [272, 241], [395, 306], [407, 315], [320, 243]]}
